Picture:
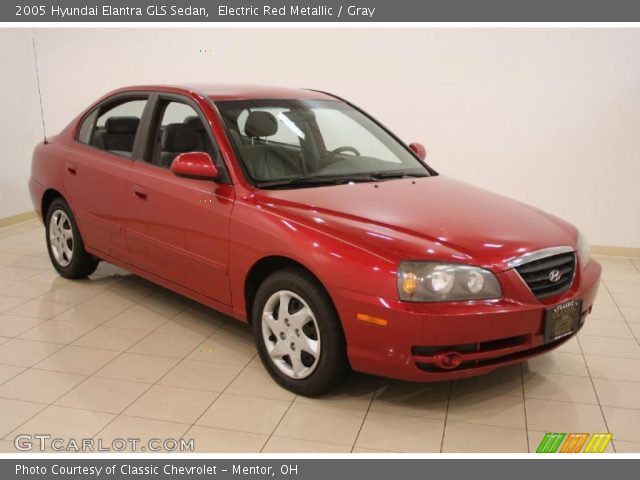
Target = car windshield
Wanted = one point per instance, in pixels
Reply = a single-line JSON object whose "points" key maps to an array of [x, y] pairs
{"points": [[299, 143]]}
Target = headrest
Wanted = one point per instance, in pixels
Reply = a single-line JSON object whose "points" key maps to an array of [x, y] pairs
{"points": [[178, 137], [122, 124], [194, 122], [260, 124]]}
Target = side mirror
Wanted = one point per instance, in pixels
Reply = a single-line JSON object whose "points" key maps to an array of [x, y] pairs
{"points": [[194, 165], [419, 150]]}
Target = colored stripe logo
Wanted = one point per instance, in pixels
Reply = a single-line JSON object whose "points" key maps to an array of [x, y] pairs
{"points": [[574, 443]]}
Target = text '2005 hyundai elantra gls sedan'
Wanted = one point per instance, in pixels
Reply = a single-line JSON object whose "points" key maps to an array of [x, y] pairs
{"points": [[297, 212]]}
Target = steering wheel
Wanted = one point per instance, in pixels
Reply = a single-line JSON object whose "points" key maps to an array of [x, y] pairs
{"points": [[338, 150]]}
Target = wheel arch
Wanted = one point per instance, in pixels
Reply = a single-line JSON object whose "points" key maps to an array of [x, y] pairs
{"points": [[47, 198], [266, 266]]}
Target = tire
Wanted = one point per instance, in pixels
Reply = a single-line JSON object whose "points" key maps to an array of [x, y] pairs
{"points": [[306, 351], [64, 243]]}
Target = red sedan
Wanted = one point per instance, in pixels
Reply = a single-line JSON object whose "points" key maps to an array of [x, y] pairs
{"points": [[297, 212]]}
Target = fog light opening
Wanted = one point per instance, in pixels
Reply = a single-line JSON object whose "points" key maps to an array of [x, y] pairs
{"points": [[448, 360]]}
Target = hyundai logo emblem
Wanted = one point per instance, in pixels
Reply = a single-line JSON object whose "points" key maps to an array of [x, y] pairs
{"points": [[554, 275]]}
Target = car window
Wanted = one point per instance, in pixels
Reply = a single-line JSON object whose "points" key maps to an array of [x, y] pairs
{"points": [[115, 128], [176, 112], [297, 143], [179, 129], [86, 128], [340, 130]]}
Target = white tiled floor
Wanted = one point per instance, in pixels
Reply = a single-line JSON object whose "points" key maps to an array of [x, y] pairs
{"points": [[115, 356]]}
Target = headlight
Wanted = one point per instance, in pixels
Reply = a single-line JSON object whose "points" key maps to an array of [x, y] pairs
{"points": [[584, 252], [445, 282]]}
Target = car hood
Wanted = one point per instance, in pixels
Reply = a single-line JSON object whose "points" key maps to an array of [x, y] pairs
{"points": [[424, 218]]}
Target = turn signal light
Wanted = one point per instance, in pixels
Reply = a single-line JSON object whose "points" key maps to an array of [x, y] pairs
{"points": [[409, 283]]}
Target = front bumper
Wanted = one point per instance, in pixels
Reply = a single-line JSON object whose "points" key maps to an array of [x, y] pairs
{"points": [[483, 335]]}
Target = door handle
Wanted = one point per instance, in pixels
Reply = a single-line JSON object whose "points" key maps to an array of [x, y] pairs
{"points": [[139, 192], [71, 168]]}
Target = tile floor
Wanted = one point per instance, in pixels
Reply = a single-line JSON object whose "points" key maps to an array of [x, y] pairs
{"points": [[115, 356]]}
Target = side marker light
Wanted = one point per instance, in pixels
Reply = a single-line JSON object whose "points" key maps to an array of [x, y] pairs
{"points": [[363, 317]]}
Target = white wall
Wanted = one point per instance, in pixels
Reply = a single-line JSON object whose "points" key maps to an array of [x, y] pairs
{"points": [[548, 116], [20, 119]]}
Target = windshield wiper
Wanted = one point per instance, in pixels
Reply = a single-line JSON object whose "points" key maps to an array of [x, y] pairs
{"points": [[397, 174], [338, 179], [315, 181]]}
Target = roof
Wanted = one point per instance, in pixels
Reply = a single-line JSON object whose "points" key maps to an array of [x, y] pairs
{"points": [[246, 92], [224, 92]]}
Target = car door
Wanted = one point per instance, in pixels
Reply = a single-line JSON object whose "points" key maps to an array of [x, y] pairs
{"points": [[178, 228], [96, 173]]}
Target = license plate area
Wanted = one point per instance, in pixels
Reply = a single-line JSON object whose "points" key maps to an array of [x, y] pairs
{"points": [[562, 320]]}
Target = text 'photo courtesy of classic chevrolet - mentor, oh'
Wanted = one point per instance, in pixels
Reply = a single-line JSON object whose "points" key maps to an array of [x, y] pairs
{"points": [[295, 211]]}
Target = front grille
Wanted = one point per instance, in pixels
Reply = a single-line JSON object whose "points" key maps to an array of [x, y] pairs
{"points": [[521, 354], [427, 350], [536, 274], [423, 350]]}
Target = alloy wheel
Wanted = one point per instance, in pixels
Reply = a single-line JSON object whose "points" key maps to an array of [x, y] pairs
{"points": [[291, 334], [61, 238]]}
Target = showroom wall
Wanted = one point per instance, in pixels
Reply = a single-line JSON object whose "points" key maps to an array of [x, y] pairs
{"points": [[548, 116], [20, 119]]}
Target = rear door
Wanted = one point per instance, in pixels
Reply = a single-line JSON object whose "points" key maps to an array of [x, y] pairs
{"points": [[178, 228], [96, 173]]}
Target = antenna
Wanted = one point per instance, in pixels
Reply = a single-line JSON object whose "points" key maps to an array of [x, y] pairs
{"points": [[35, 60]]}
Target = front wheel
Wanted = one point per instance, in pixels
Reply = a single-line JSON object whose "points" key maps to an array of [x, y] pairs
{"points": [[298, 333], [65, 246]]}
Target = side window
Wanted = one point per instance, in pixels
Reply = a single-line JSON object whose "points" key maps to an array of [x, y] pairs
{"points": [[288, 132], [116, 126], [179, 129], [86, 128], [176, 112]]}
